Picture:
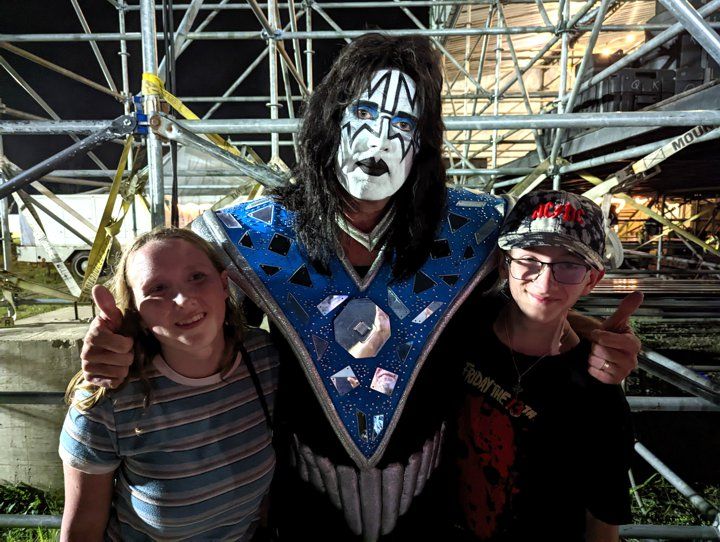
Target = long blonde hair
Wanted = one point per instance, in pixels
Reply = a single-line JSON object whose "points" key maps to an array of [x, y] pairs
{"points": [[146, 346]]}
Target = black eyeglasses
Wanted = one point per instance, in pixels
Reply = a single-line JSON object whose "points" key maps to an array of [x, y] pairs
{"points": [[530, 269]]}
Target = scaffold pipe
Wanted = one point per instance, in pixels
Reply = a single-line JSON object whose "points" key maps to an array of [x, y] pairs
{"points": [[705, 508], [335, 34], [486, 122]]}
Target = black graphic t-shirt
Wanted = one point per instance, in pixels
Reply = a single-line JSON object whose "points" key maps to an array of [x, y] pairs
{"points": [[530, 466]]}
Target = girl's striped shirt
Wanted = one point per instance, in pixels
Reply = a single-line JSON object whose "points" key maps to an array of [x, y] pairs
{"points": [[195, 464]]}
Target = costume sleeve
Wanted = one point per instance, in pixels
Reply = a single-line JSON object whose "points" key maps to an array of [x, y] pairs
{"points": [[609, 447], [88, 440]]}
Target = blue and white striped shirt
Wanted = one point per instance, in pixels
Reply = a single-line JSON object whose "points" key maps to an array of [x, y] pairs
{"points": [[195, 464]]}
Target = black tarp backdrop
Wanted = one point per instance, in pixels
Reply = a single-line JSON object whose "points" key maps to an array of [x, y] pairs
{"points": [[206, 68]]}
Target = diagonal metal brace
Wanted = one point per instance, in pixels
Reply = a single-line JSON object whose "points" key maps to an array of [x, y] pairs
{"points": [[120, 127], [168, 128]]}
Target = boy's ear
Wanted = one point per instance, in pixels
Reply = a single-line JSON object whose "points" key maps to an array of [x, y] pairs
{"points": [[595, 277]]}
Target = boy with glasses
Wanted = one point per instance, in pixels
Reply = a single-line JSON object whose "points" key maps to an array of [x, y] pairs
{"points": [[542, 448]]}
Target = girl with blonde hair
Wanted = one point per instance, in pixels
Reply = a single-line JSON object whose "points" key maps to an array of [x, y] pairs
{"points": [[182, 448]]}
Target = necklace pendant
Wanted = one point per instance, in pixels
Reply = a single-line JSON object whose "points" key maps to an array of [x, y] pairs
{"points": [[517, 389]]}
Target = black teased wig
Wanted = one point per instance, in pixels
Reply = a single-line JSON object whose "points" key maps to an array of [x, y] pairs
{"points": [[317, 197]]}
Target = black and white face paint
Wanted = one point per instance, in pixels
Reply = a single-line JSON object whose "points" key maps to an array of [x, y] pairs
{"points": [[379, 139]]}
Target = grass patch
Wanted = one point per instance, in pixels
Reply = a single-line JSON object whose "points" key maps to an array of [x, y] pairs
{"points": [[30, 535], [680, 334], [665, 505], [24, 499], [25, 311], [662, 504], [40, 273], [688, 341]]}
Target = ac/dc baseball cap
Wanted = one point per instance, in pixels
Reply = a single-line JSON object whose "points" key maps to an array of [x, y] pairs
{"points": [[556, 218]]}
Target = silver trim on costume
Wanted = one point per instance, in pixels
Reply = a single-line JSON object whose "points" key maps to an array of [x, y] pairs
{"points": [[452, 308], [371, 499], [364, 282], [372, 239]]}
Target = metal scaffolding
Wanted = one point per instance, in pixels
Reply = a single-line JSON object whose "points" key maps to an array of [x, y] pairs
{"points": [[515, 71], [475, 81]]}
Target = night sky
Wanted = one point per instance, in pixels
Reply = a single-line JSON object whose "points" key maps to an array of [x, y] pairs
{"points": [[206, 68]]}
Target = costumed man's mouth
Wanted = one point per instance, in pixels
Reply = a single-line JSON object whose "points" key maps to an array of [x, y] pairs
{"points": [[373, 167]]}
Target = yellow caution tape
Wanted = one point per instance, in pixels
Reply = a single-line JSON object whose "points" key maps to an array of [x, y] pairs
{"points": [[650, 161], [107, 231], [152, 84], [603, 188], [11, 282], [532, 180], [109, 227]]}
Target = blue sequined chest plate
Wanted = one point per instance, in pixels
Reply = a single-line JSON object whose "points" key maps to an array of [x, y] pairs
{"points": [[362, 341]]}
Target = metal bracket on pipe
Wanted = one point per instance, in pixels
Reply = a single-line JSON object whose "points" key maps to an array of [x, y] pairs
{"points": [[169, 129], [120, 127], [626, 177], [276, 35], [648, 166], [563, 28]]}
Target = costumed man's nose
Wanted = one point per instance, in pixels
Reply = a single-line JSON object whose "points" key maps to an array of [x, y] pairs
{"points": [[381, 141]]}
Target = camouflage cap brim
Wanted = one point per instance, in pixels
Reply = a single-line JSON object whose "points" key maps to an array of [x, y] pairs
{"points": [[552, 239]]}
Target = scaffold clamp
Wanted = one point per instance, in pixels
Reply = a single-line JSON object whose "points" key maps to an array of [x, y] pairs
{"points": [[171, 130], [140, 117], [275, 36]]}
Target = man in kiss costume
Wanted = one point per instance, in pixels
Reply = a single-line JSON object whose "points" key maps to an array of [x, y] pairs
{"points": [[369, 306], [366, 306], [361, 265]]}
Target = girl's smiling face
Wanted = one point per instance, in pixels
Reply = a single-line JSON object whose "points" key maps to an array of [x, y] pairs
{"points": [[179, 294]]}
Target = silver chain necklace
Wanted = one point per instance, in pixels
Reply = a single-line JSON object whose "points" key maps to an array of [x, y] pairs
{"points": [[517, 388]]}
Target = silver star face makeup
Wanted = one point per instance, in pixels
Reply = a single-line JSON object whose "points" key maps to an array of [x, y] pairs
{"points": [[379, 138]]}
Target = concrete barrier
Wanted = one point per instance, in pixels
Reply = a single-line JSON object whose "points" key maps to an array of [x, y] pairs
{"points": [[38, 357]]}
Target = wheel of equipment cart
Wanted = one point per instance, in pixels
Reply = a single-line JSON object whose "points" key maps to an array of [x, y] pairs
{"points": [[79, 262]]}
